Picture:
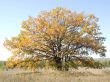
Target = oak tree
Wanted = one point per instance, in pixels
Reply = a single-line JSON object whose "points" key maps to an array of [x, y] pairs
{"points": [[58, 34]]}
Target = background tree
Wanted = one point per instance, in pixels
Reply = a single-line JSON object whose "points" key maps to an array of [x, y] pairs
{"points": [[59, 34]]}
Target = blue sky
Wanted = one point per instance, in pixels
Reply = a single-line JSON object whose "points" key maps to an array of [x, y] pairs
{"points": [[13, 12]]}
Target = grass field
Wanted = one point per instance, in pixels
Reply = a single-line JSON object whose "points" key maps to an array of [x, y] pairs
{"points": [[41, 75]]}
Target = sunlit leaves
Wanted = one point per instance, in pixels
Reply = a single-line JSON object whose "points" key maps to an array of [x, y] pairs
{"points": [[58, 32]]}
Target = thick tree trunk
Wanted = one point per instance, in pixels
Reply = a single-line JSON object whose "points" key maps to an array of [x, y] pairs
{"points": [[58, 62], [66, 64], [61, 63]]}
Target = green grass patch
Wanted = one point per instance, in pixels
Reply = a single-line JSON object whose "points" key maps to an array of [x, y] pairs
{"points": [[1, 65]]}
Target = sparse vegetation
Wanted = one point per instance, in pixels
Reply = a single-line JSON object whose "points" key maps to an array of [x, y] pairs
{"points": [[52, 75], [41, 75]]}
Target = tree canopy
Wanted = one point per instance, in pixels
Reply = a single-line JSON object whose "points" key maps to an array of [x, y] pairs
{"points": [[59, 34]]}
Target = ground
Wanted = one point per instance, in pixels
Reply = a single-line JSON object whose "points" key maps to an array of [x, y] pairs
{"points": [[42, 75]]}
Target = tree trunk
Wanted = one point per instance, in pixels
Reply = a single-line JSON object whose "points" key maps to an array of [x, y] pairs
{"points": [[58, 62], [66, 64], [61, 63]]}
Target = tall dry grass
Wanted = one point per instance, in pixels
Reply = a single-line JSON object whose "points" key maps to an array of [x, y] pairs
{"points": [[50, 75]]}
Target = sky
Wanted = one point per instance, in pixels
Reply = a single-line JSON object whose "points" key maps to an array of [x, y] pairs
{"points": [[13, 12]]}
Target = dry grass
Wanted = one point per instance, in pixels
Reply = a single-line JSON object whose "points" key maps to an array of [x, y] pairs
{"points": [[41, 75]]}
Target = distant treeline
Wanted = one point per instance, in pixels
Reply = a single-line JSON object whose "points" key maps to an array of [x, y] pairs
{"points": [[1, 65], [104, 61]]}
